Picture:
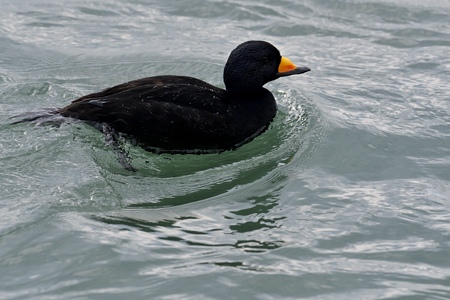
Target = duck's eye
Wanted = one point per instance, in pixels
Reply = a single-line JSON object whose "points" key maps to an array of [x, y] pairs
{"points": [[266, 59]]}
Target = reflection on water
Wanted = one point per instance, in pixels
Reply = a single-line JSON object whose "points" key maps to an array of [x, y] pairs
{"points": [[187, 226], [171, 180]]}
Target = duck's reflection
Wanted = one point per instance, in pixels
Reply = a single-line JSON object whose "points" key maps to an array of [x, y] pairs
{"points": [[247, 227]]}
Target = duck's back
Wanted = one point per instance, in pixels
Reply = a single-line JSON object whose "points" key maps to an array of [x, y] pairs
{"points": [[177, 113]]}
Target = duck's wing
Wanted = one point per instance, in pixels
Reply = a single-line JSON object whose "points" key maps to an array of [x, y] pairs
{"points": [[149, 95], [165, 112], [181, 90]]}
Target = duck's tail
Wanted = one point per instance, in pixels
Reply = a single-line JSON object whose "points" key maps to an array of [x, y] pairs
{"points": [[40, 117]]}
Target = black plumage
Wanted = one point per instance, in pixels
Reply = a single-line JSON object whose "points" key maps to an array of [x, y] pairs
{"points": [[179, 114]]}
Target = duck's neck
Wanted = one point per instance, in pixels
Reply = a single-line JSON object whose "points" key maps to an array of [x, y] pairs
{"points": [[241, 84], [239, 80]]}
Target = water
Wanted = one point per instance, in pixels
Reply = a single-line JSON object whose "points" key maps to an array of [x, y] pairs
{"points": [[346, 196]]}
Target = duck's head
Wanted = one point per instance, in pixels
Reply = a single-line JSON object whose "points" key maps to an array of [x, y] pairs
{"points": [[254, 63]]}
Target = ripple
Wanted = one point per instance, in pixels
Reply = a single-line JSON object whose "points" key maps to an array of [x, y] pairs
{"points": [[179, 179], [228, 10], [411, 43], [305, 30]]}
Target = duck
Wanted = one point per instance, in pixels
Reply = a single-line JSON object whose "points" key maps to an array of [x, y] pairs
{"points": [[181, 114]]}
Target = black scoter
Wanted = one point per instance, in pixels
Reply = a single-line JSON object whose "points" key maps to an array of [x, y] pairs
{"points": [[179, 114]]}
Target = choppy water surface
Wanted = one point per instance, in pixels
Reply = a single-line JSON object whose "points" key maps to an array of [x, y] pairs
{"points": [[347, 196]]}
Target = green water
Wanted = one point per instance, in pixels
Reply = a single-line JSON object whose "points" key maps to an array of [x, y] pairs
{"points": [[346, 196]]}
